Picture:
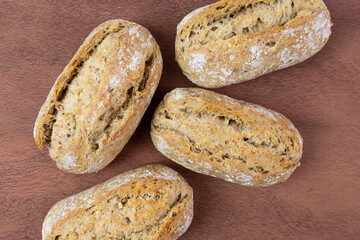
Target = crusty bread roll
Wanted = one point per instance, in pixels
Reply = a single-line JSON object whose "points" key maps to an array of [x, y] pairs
{"points": [[151, 202], [99, 99], [237, 40], [226, 138]]}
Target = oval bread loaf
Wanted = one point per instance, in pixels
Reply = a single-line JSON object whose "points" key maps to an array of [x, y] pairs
{"points": [[150, 202], [237, 40], [226, 138], [99, 99]]}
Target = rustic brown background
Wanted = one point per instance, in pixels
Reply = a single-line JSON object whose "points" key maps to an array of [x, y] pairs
{"points": [[320, 96]]}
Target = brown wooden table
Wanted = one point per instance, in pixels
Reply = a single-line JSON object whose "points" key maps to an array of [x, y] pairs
{"points": [[320, 96]]}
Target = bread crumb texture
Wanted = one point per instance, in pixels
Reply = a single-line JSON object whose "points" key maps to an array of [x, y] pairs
{"points": [[237, 40], [151, 202], [230, 139], [100, 97]]}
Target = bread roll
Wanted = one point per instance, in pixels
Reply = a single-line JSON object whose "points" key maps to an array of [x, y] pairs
{"points": [[232, 41], [151, 202], [216, 135], [99, 99]]}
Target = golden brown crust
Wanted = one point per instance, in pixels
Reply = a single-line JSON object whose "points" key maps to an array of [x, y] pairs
{"points": [[137, 53], [150, 202], [226, 138], [61, 81], [246, 56]]}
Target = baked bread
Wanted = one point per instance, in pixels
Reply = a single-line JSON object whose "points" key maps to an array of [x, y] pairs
{"points": [[99, 99], [216, 135], [237, 40], [150, 202]]}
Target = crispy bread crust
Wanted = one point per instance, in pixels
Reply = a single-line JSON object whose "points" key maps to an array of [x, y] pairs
{"points": [[173, 143], [249, 56], [172, 228], [76, 155]]}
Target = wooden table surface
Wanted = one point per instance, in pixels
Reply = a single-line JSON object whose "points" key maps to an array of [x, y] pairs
{"points": [[320, 96]]}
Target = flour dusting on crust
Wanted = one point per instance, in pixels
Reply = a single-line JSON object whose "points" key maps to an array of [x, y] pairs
{"points": [[197, 62], [177, 94], [69, 161]]}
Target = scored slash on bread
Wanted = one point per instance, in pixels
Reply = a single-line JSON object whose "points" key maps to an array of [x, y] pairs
{"points": [[216, 135], [150, 202], [99, 99], [237, 40]]}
